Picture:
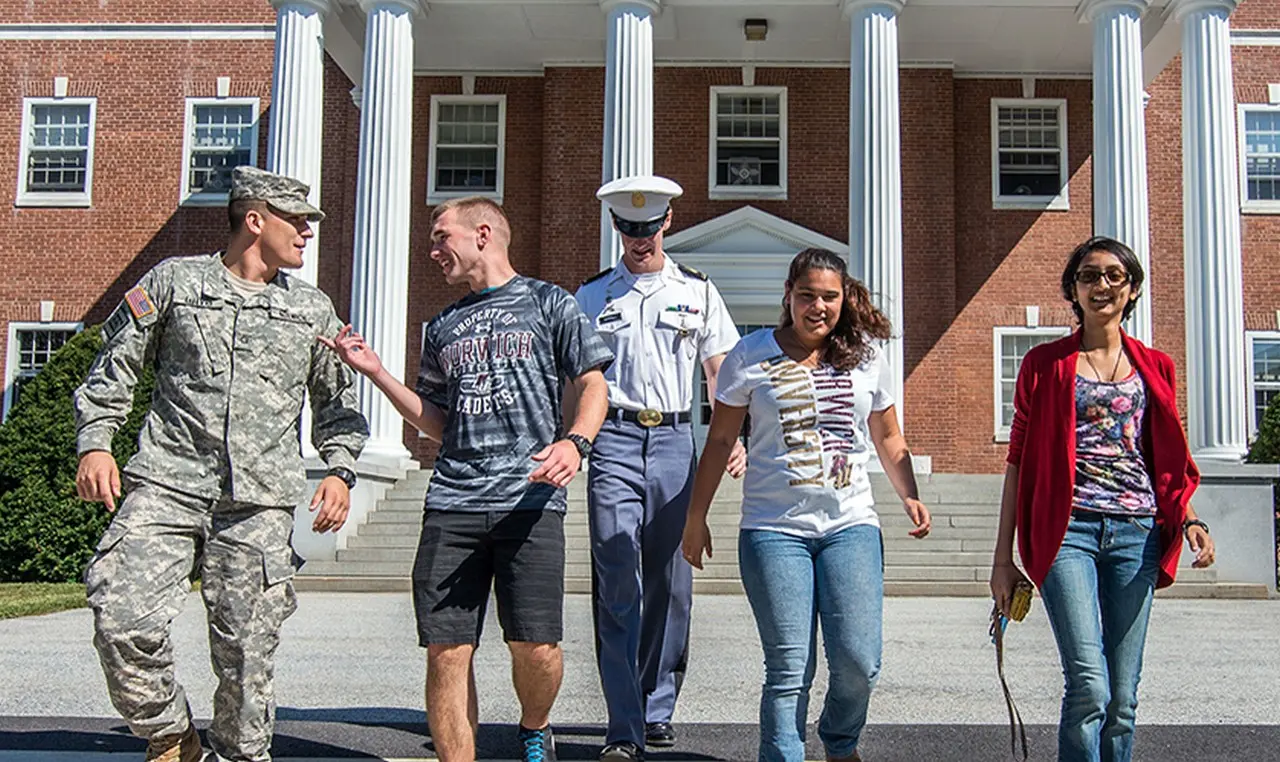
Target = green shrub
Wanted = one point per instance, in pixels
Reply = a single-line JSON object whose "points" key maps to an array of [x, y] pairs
{"points": [[47, 534], [1266, 449]]}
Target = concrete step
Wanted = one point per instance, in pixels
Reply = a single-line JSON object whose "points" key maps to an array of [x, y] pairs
{"points": [[710, 586], [722, 529], [884, 498], [897, 553], [954, 560]]}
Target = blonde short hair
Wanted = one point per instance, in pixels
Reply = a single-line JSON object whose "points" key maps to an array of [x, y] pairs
{"points": [[475, 211]]}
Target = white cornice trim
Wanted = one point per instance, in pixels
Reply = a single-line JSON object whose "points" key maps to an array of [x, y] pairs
{"points": [[479, 73], [1257, 37], [1019, 75], [41, 32], [738, 63]]}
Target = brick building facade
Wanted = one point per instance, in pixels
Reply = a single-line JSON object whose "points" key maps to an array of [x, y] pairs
{"points": [[970, 268]]}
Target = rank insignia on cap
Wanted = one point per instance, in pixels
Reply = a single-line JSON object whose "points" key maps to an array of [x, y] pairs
{"points": [[637, 199], [139, 303]]}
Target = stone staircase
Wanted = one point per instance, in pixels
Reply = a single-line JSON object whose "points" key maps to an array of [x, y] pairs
{"points": [[955, 560]]}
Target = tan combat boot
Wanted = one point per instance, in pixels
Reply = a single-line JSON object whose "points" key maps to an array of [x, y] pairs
{"points": [[183, 748]]}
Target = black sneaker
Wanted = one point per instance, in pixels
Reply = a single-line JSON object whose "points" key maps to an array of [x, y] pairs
{"points": [[622, 751], [660, 735], [537, 745]]}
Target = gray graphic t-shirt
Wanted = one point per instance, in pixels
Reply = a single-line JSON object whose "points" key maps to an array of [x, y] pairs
{"points": [[496, 363]]}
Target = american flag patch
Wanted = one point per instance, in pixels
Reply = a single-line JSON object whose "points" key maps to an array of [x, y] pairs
{"points": [[139, 303]]}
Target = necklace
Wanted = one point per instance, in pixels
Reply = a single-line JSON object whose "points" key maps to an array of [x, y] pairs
{"points": [[811, 358], [1114, 370]]}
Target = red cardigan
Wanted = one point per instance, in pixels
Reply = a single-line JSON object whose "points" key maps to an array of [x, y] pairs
{"points": [[1042, 444]]}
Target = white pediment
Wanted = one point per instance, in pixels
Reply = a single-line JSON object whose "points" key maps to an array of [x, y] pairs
{"points": [[746, 253]]}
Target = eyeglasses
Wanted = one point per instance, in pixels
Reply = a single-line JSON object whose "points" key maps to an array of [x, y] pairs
{"points": [[1115, 276]]}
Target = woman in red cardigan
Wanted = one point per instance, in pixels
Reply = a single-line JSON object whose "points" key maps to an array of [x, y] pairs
{"points": [[1098, 485]]}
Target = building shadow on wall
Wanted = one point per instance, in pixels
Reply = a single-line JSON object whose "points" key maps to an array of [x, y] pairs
{"points": [[188, 231]]}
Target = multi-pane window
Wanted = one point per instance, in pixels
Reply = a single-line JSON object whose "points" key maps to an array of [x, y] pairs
{"points": [[748, 141], [467, 135], [1264, 381], [1260, 157], [221, 135], [1029, 143], [29, 351], [57, 151], [1011, 345]]}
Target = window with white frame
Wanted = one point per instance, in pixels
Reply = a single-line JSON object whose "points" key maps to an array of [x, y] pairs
{"points": [[1264, 374], [468, 137], [56, 165], [1259, 158], [748, 156], [221, 134], [30, 347], [1011, 345], [1029, 153]]}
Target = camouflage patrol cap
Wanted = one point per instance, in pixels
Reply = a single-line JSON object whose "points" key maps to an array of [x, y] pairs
{"points": [[284, 193]]}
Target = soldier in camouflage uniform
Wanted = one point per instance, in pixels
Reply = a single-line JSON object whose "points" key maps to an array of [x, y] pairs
{"points": [[232, 341]]}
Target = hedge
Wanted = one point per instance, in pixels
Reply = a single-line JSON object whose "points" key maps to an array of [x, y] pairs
{"points": [[47, 534], [1266, 449]]}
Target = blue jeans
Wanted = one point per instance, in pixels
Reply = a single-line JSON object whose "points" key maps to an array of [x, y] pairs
{"points": [[793, 583], [1098, 597]]}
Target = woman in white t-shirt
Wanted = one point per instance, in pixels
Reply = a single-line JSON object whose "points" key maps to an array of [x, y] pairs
{"points": [[810, 550]]}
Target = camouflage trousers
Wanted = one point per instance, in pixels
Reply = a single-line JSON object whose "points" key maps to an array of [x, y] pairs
{"points": [[137, 583]]}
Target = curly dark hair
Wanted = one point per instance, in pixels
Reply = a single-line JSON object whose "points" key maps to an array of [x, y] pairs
{"points": [[1132, 265], [850, 342]]}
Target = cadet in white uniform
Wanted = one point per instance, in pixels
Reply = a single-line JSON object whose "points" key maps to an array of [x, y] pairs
{"points": [[660, 319]]}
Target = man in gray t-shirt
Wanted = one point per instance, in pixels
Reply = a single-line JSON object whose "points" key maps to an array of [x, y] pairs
{"points": [[494, 361], [494, 365]]}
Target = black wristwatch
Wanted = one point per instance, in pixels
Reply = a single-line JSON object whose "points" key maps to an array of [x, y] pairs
{"points": [[345, 474], [1194, 523], [582, 443]]}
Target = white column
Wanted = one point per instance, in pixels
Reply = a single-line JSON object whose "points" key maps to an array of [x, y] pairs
{"points": [[1120, 206], [297, 118], [875, 164], [297, 103], [628, 103], [379, 299], [1216, 413]]}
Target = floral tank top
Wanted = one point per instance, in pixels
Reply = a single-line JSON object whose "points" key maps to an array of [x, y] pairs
{"points": [[1111, 475]]}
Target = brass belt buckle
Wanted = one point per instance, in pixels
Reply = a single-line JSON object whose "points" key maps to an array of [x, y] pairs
{"points": [[649, 417]]}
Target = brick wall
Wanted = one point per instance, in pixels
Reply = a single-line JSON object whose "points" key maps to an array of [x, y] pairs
{"points": [[1256, 14], [523, 200], [967, 266], [1005, 260], [1253, 69], [84, 259], [137, 12]]}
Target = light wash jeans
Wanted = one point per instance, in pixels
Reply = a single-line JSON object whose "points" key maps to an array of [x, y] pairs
{"points": [[793, 583], [1098, 597]]}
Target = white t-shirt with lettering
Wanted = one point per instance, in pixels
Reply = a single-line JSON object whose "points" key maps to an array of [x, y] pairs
{"points": [[809, 444]]}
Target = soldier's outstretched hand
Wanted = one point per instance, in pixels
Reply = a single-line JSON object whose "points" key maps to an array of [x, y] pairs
{"points": [[353, 351], [98, 478], [334, 501]]}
